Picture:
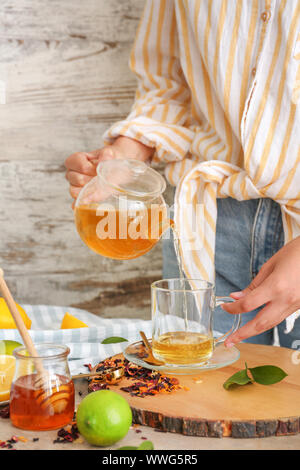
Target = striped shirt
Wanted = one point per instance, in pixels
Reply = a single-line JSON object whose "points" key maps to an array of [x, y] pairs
{"points": [[218, 98]]}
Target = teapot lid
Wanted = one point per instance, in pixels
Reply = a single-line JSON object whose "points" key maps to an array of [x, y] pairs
{"points": [[131, 177]]}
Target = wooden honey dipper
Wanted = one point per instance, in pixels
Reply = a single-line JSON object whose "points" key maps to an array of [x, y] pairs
{"points": [[43, 381]]}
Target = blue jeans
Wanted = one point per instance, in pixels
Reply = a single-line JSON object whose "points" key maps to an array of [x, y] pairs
{"points": [[248, 233]]}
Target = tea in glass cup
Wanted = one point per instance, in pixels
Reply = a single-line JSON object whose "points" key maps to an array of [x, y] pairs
{"points": [[180, 347], [182, 321]]}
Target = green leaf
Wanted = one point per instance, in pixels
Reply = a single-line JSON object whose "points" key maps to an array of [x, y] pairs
{"points": [[239, 378], [113, 339], [146, 445], [267, 375], [264, 375], [128, 448]]}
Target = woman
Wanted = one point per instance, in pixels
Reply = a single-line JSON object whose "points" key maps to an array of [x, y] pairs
{"points": [[217, 102]]}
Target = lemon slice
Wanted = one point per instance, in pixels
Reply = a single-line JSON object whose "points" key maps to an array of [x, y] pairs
{"points": [[6, 319], [71, 322], [7, 370]]}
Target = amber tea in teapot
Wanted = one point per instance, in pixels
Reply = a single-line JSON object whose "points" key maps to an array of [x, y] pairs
{"points": [[121, 213], [123, 243]]}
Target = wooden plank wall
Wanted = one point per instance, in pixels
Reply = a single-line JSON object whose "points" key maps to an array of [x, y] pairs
{"points": [[65, 65]]}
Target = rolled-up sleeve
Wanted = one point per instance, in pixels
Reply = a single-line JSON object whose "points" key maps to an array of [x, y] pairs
{"points": [[161, 110]]}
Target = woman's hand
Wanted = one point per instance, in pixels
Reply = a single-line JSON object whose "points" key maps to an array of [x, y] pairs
{"points": [[81, 166], [276, 287]]}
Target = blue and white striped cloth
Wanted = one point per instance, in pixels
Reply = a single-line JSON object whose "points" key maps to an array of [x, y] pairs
{"points": [[84, 343]]}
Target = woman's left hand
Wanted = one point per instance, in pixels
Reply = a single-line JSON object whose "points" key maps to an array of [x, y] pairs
{"points": [[276, 288]]}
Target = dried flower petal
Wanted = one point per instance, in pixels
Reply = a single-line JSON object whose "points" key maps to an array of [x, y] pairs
{"points": [[148, 382], [4, 412], [67, 435]]}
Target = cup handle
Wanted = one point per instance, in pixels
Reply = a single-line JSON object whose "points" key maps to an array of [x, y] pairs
{"points": [[236, 319]]}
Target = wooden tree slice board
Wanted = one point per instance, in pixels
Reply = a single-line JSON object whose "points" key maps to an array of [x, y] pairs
{"points": [[208, 410]]}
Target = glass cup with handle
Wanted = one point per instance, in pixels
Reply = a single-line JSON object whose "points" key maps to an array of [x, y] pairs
{"points": [[182, 321]]}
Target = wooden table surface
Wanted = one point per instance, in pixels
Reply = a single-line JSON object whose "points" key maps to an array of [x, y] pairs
{"points": [[161, 441]]}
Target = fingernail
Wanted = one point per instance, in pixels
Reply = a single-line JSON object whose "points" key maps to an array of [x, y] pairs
{"points": [[229, 345], [239, 294]]}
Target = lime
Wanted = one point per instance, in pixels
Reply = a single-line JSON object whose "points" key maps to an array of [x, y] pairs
{"points": [[7, 346], [103, 418]]}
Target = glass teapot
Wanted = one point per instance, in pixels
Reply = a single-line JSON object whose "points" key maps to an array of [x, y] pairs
{"points": [[121, 212]]}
